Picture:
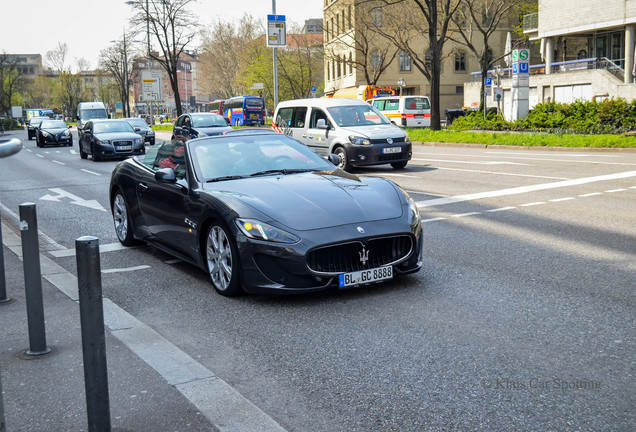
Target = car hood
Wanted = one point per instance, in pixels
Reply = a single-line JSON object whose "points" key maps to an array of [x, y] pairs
{"points": [[118, 136], [214, 130], [55, 131], [375, 132], [316, 200]]}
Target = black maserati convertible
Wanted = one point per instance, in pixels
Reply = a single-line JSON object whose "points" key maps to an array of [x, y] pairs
{"points": [[262, 213]]}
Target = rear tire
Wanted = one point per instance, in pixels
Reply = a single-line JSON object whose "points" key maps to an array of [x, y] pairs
{"points": [[399, 165], [83, 154], [221, 255], [121, 220]]}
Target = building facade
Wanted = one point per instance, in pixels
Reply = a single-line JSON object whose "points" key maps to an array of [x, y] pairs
{"points": [[355, 55]]}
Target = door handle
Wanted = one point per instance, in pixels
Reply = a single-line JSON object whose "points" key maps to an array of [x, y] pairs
{"points": [[143, 187]]}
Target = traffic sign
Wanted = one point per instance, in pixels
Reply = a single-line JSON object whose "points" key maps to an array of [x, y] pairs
{"points": [[488, 81], [151, 85], [276, 31], [524, 68], [515, 68]]}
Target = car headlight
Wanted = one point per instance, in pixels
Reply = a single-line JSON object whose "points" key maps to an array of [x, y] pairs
{"points": [[150, 132], [67, 132], [414, 213], [258, 230], [104, 142], [46, 134], [359, 140], [138, 140], [406, 138]]}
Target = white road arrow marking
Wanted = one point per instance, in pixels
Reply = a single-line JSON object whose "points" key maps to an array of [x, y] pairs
{"points": [[61, 193]]}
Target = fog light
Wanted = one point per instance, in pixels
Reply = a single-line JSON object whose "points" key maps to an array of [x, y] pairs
{"points": [[363, 157]]}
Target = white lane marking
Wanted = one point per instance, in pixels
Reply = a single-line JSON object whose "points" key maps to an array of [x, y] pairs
{"points": [[501, 209], [425, 193], [127, 269], [61, 193], [44, 237], [433, 219], [632, 187], [471, 162], [615, 190], [108, 247], [73, 152], [58, 162], [591, 194], [502, 173], [562, 199], [39, 155], [572, 161], [532, 204], [524, 189], [465, 214], [90, 172], [387, 175]]}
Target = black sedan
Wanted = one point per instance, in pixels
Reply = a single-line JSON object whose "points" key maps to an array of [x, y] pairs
{"points": [[53, 132], [142, 128], [197, 125], [109, 138], [262, 213], [33, 125]]}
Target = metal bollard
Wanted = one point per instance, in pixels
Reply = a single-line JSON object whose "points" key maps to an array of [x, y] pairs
{"points": [[3, 282], [32, 280], [93, 341], [3, 427]]}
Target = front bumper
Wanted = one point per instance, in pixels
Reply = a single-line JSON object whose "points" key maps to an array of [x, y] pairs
{"points": [[110, 151], [365, 155], [270, 268], [57, 140]]}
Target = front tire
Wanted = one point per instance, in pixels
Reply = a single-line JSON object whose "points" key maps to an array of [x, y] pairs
{"points": [[222, 260], [343, 161], [121, 220], [399, 165], [96, 157]]}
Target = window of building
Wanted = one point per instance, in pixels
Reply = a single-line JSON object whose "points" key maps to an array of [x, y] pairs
{"points": [[327, 31], [376, 59], [376, 16], [350, 64], [349, 15], [339, 63], [460, 61], [344, 25], [459, 89], [405, 62]]}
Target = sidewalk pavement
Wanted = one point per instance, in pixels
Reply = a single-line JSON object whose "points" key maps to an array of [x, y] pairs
{"points": [[153, 386]]}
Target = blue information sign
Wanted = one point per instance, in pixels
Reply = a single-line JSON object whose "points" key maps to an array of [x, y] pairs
{"points": [[524, 67], [488, 81]]}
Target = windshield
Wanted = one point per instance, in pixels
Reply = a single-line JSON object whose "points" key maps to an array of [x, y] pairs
{"points": [[140, 123], [98, 113], [112, 126], [254, 103], [207, 120], [357, 115], [53, 124], [237, 156]]}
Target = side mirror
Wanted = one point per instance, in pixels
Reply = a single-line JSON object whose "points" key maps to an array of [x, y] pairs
{"points": [[165, 175], [333, 158], [137, 129], [322, 124]]}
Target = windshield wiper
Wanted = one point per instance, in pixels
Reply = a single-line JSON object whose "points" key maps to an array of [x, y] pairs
{"points": [[281, 171], [230, 177]]}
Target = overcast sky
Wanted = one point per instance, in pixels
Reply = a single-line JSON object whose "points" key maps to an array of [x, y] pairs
{"points": [[88, 26]]}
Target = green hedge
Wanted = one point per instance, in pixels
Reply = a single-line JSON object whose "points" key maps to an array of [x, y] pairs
{"points": [[610, 116]]}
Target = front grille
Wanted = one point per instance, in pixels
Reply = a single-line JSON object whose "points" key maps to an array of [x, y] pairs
{"points": [[347, 257], [384, 141], [391, 157], [122, 143]]}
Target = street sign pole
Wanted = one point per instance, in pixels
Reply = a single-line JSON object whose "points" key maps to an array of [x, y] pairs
{"points": [[275, 69]]}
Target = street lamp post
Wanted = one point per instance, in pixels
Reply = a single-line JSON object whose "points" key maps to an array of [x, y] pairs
{"points": [[149, 106], [401, 83]]}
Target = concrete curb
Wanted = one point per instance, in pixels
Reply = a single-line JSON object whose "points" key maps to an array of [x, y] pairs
{"points": [[529, 148]]}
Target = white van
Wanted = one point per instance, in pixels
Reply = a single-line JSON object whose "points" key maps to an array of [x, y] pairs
{"points": [[90, 111], [405, 111], [350, 128]]}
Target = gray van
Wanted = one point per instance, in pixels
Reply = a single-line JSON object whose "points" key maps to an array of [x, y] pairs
{"points": [[350, 128]]}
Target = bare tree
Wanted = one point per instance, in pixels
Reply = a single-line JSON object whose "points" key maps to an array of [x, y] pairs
{"points": [[300, 64], [374, 53], [476, 21], [57, 58], [170, 24], [118, 60], [412, 24]]}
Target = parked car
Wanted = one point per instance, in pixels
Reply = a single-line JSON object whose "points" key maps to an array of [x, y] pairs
{"points": [[32, 126], [109, 138], [404, 111], [195, 125], [53, 132], [262, 213], [350, 128], [143, 129]]}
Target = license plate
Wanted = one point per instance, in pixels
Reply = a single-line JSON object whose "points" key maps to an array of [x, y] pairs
{"points": [[122, 148], [386, 150], [254, 116], [419, 116], [365, 276]]}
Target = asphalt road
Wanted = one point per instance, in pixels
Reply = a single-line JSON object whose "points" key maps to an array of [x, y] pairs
{"points": [[522, 317]]}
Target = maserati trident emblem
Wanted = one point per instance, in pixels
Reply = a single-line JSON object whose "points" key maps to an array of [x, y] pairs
{"points": [[364, 256]]}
